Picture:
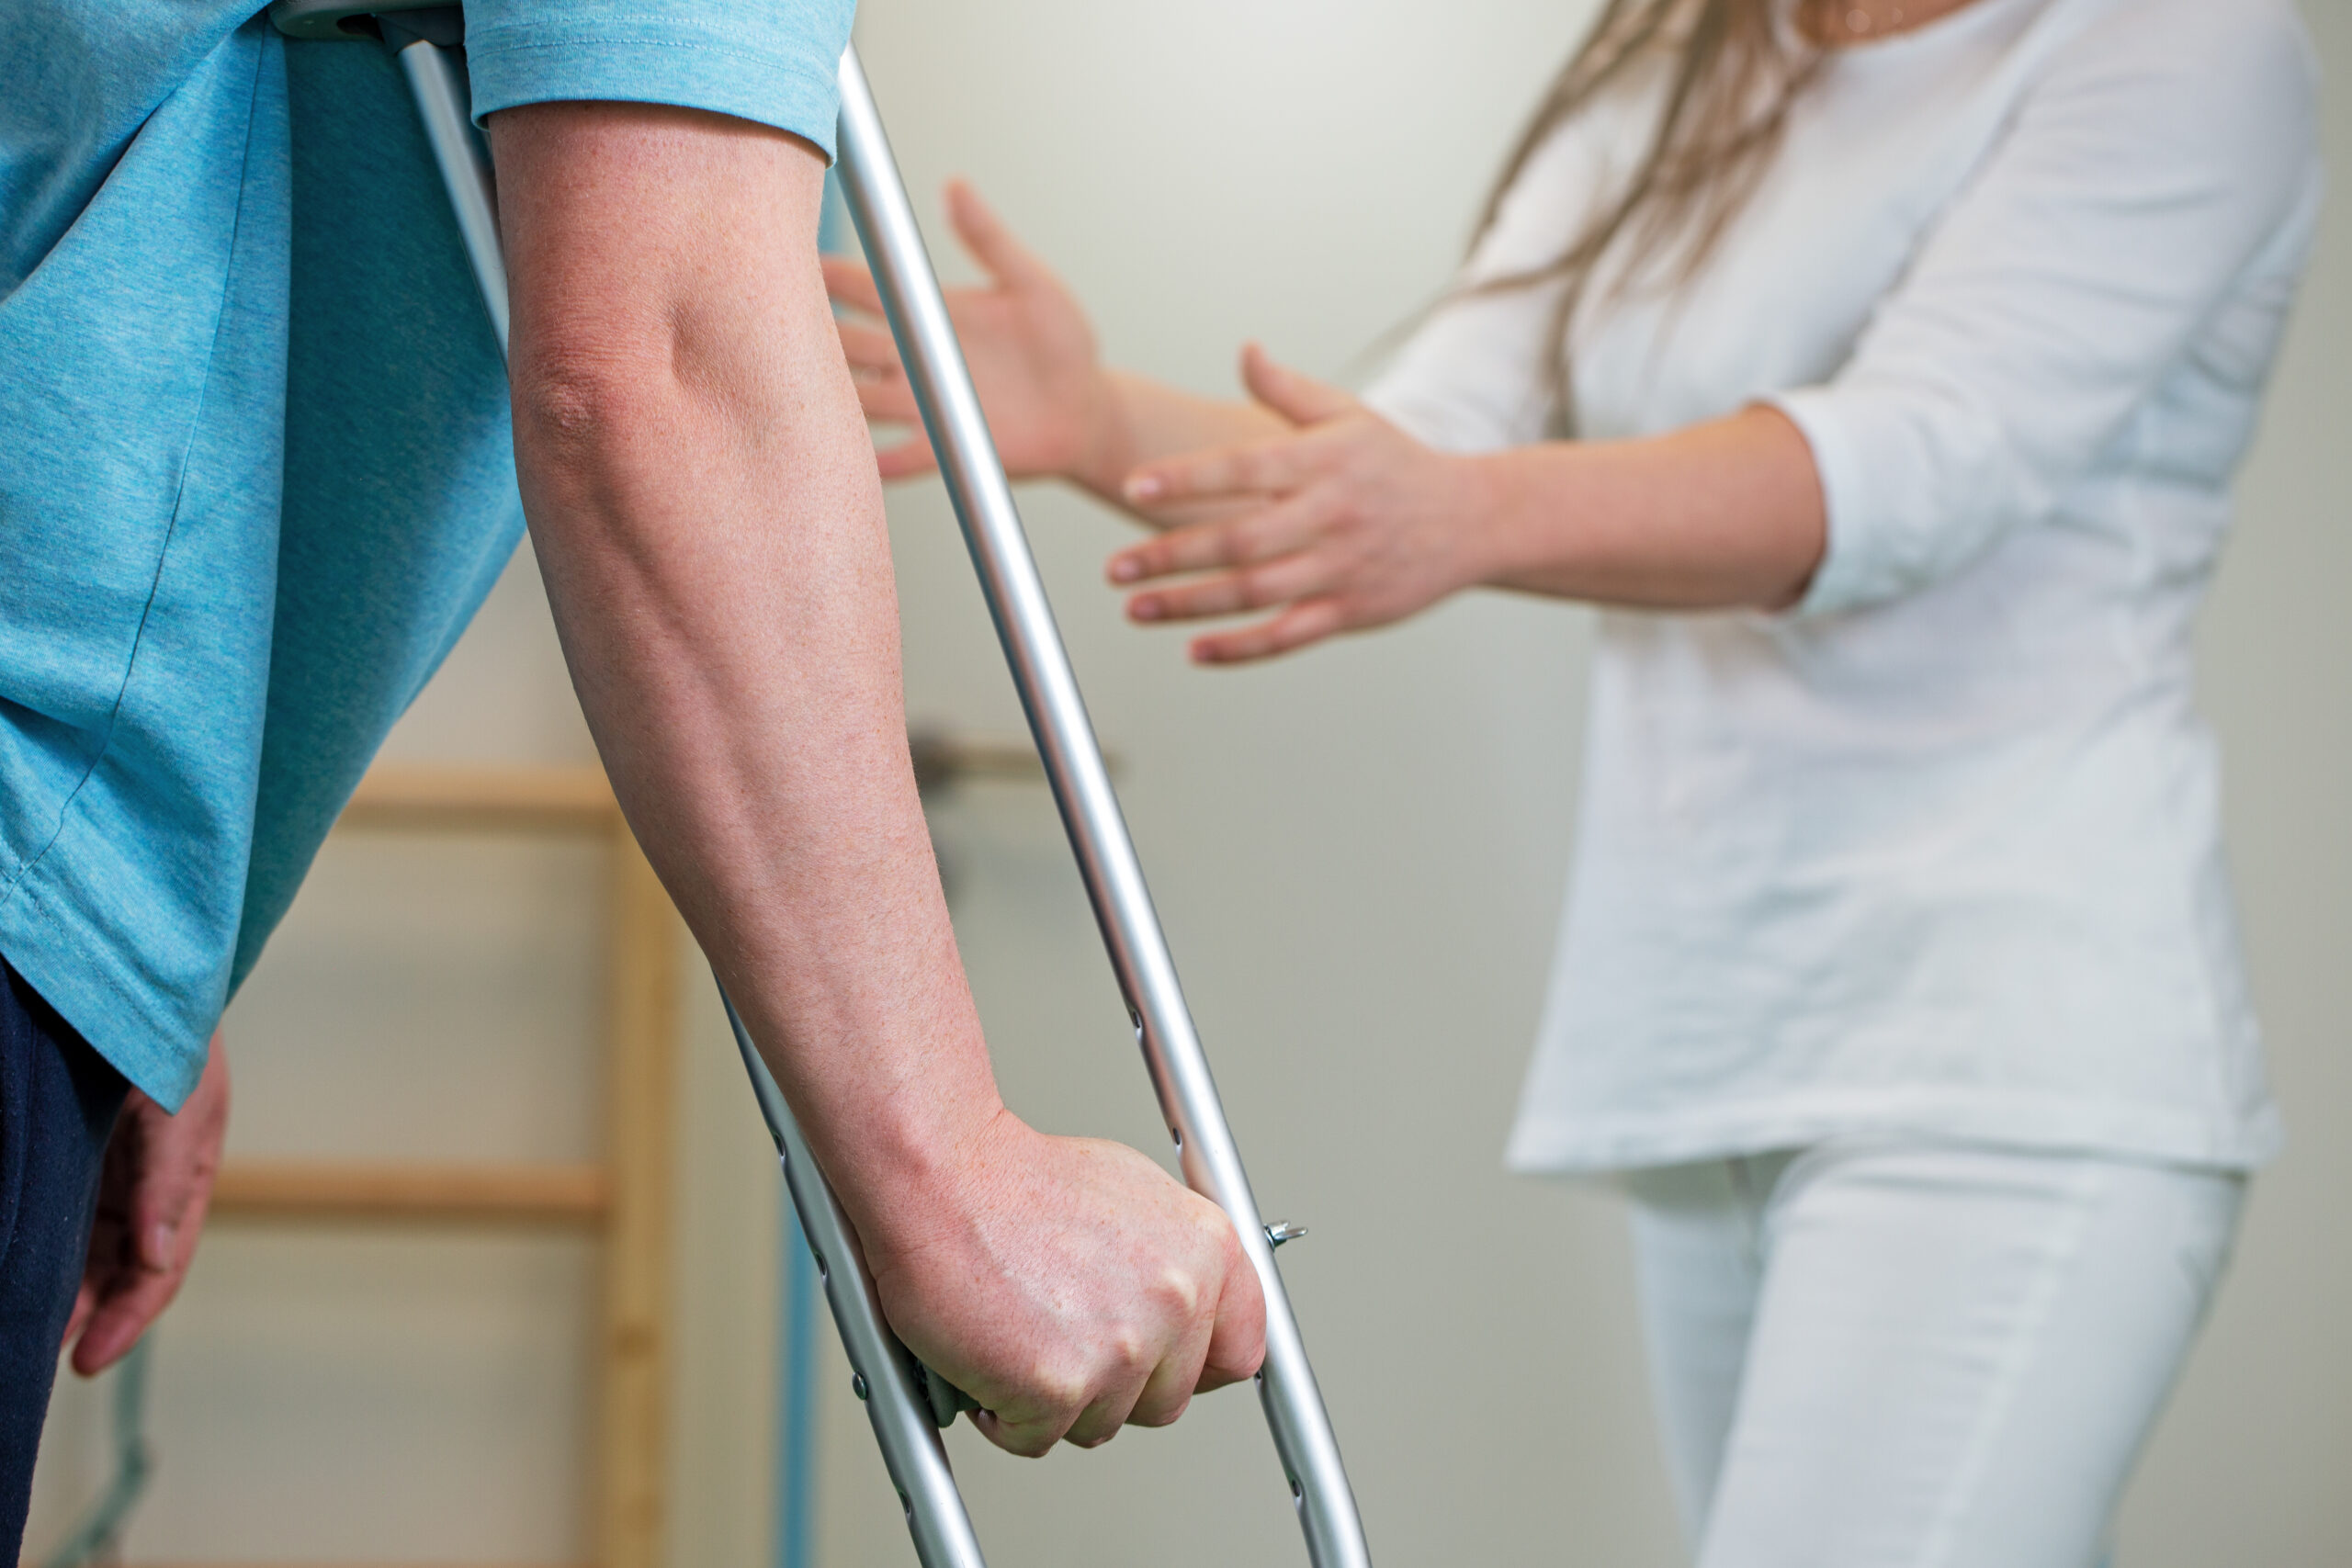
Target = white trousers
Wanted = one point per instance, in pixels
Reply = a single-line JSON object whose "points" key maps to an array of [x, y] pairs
{"points": [[1878, 1354]]}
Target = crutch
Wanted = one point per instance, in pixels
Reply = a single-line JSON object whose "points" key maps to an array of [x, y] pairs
{"points": [[907, 1402]]}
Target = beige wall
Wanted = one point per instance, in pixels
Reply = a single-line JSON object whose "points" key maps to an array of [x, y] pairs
{"points": [[1359, 856]]}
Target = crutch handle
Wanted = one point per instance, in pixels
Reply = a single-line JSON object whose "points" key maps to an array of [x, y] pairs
{"points": [[946, 1401]]}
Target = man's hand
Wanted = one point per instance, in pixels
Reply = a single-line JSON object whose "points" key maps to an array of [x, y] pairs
{"points": [[1073, 1287], [153, 1194]]}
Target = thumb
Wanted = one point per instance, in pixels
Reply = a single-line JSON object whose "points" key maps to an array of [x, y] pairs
{"points": [[1006, 259], [1299, 398]]}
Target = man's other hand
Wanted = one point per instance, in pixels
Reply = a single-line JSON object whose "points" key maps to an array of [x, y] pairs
{"points": [[153, 1194]]}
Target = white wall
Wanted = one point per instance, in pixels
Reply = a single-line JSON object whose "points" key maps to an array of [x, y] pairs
{"points": [[1358, 854], [2251, 1464]]}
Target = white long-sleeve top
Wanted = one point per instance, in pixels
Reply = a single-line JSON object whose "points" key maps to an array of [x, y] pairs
{"points": [[1938, 851]]}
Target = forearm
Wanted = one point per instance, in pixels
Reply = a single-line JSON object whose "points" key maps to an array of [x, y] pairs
{"points": [[1721, 515], [702, 498], [1140, 420]]}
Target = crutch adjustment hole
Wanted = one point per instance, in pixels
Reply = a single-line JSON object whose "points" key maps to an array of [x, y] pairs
{"points": [[857, 1387]]}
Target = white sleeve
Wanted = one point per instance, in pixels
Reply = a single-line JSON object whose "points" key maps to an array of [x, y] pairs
{"points": [[2166, 156], [1476, 376]]}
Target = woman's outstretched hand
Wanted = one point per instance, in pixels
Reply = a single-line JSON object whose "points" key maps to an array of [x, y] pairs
{"points": [[1343, 524], [1027, 340]]}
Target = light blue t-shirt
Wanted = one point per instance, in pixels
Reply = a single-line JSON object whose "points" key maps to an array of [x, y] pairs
{"points": [[256, 470]]}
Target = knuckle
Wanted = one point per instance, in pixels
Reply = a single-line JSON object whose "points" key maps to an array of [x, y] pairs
{"points": [[1166, 1414], [1030, 1444], [1058, 1387]]}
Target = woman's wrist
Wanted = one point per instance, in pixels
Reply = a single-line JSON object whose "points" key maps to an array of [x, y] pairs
{"points": [[1513, 508], [1106, 448]]}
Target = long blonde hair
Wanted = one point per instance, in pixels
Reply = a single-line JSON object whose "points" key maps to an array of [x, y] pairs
{"points": [[1736, 69]]}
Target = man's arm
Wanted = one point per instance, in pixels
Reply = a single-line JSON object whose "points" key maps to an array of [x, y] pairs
{"points": [[702, 497]]}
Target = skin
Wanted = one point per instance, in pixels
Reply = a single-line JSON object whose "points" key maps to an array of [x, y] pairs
{"points": [[154, 1190], [1306, 505], [702, 496]]}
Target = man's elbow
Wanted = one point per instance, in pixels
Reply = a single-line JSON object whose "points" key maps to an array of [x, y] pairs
{"points": [[586, 406]]}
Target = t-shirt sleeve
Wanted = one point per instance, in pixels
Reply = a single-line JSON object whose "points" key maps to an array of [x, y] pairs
{"points": [[1476, 376], [2165, 166], [775, 62]]}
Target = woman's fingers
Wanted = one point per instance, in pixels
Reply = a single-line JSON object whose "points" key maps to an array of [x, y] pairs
{"points": [[883, 390], [849, 281], [1262, 468], [1299, 398], [888, 403], [1309, 621], [1295, 576], [870, 351], [908, 458], [1006, 259], [1228, 473], [1257, 536]]}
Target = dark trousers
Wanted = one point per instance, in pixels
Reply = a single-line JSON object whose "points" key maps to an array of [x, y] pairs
{"points": [[57, 1103]]}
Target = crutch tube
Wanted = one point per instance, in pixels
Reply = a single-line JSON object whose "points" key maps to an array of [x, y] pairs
{"points": [[887, 1378], [1081, 786], [444, 106]]}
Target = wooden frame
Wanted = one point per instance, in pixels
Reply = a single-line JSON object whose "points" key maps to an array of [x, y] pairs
{"points": [[626, 1199]]}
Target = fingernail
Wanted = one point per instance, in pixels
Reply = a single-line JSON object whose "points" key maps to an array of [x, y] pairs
{"points": [[157, 1254], [1144, 487], [1125, 570], [1144, 609]]}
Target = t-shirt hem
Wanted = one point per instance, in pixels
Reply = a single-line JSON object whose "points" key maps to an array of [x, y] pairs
{"points": [[687, 67], [664, 65], [70, 965], [1573, 1145]]}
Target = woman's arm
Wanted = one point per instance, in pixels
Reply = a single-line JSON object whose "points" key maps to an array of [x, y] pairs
{"points": [[1303, 497], [1722, 515], [1346, 523]]}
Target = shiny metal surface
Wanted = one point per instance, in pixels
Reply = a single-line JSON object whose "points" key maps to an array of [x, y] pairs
{"points": [[438, 84], [1098, 832], [888, 1379]]}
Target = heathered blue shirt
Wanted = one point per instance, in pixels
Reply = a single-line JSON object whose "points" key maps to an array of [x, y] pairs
{"points": [[255, 472]]}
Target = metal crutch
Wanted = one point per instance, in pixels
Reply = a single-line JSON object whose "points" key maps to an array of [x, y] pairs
{"points": [[906, 1403]]}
